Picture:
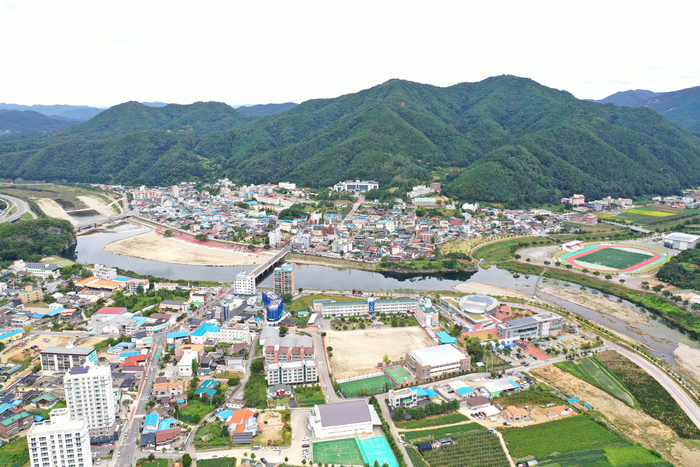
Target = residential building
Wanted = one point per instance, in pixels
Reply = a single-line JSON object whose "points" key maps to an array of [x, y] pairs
{"points": [[62, 441], [287, 348], [275, 237], [184, 366], [31, 295], [104, 273], [295, 372], [440, 360], [539, 325], [244, 284], [243, 426], [343, 419], [89, 395], [284, 279], [12, 423], [405, 397], [175, 305], [170, 389], [62, 359]]}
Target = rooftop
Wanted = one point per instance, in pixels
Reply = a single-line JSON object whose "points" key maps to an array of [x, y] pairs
{"points": [[344, 413], [438, 355], [64, 351]]}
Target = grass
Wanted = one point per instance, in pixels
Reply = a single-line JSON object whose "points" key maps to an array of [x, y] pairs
{"points": [[531, 397], [600, 376], [217, 438], [433, 421], [653, 399], [45, 413], [614, 258], [499, 252], [475, 448], [646, 214], [342, 451], [15, 453], [436, 433], [194, 412], [303, 303], [371, 385], [220, 462], [156, 463], [574, 433], [309, 396]]}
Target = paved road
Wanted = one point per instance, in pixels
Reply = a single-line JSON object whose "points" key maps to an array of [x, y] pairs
{"points": [[22, 207]]}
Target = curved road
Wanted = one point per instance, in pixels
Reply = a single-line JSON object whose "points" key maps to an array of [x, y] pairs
{"points": [[22, 207]]}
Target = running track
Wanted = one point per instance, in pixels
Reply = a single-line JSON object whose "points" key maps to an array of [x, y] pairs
{"points": [[656, 257]]}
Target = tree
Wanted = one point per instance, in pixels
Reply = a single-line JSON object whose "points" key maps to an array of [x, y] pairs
{"points": [[301, 289], [28, 329], [284, 329], [622, 281], [253, 456], [201, 237], [151, 457], [386, 359], [608, 276], [658, 288], [235, 381], [168, 233], [596, 273], [286, 459]]}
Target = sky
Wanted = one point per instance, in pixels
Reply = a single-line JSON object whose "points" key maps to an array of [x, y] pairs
{"points": [[102, 53]]}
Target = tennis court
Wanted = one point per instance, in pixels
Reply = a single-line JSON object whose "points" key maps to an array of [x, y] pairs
{"points": [[397, 374], [614, 258], [378, 449], [372, 385], [339, 452]]}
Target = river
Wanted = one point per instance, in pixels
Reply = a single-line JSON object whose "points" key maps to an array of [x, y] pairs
{"points": [[660, 337]]}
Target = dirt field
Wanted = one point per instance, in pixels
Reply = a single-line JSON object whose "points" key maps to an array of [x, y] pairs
{"points": [[55, 341], [596, 302], [98, 204], [356, 352], [485, 289], [688, 358], [637, 426], [154, 246], [53, 209]]}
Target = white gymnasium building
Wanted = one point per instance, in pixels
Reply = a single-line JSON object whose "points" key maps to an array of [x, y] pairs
{"points": [[343, 419]]}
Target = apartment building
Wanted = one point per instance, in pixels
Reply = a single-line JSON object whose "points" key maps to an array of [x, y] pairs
{"points": [[284, 279], [62, 359], [60, 442], [244, 284], [89, 395], [302, 371]]}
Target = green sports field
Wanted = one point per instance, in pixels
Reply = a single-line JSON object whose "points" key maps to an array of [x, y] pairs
{"points": [[339, 452], [373, 385], [614, 258]]}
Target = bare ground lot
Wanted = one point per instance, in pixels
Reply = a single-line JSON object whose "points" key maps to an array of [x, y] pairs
{"points": [[98, 205], [688, 358], [357, 352], [637, 426], [53, 209], [54, 341], [154, 246], [485, 289]]}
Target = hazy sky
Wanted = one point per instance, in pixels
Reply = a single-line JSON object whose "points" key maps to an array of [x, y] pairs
{"points": [[105, 52]]}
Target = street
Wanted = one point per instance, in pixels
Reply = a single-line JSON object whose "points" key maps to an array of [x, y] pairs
{"points": [[22, 207]]}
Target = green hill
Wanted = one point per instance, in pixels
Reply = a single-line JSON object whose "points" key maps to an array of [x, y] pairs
{"points": [[681, 107], [629, 98], [263, 110], [504, 139], [28, 121]]}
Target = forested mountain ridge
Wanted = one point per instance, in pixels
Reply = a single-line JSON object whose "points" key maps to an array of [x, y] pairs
{"points": [[628, 98], [263, 110], [504, 139], [28, 121]]}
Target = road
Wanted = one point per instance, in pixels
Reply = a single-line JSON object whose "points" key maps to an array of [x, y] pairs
{"points": [[22, 207]]}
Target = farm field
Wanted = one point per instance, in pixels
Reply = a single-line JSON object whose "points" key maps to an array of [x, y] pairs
{"points": [[220, 462], [622, 456], [358, 352], [215, 436], [653, 399], [432, 421], [645, 214], [597, 374], [14, 454], [469, 449], [436, 433], [544, 439]]}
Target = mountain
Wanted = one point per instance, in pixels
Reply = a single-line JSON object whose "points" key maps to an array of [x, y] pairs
{"points": [[263, 110], [154, 104], [131, 117], [505, 139], [629, 98], [27, 121], [76, 112], [681, 107]]}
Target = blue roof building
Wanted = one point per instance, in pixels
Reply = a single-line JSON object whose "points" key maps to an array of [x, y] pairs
{"points": [[446, 338]]}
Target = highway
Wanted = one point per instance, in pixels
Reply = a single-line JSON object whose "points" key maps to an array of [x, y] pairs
{"points": [[22, 207]]}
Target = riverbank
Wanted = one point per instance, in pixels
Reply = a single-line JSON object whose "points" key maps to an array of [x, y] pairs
{"points": [[486, 289], [332, 262], [153, 246]]}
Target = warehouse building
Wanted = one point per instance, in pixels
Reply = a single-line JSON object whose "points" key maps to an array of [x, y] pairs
{"points": [[436, 361], [343, 419], [681, 241]]}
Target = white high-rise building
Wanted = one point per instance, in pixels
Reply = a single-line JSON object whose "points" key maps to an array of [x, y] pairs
{"points": [[275, 238], [60, 442], [89, 395], [244, 284]]}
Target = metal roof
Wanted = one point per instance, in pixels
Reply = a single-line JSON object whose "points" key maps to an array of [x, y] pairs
{"points": [[344, 413]]}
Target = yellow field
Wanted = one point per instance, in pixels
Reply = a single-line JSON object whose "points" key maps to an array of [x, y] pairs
{"points": [[644, 212]]}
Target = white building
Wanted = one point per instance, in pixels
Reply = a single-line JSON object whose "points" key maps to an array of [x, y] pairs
{"points": [[681, 241], [104, 273], [357, 185], [184, 366], [539, 325], [331, 308], [343, 419], [435, 361], [89, 395], [296, 372], [244, 284], [275, 237], [287, 185], [60, 442]]}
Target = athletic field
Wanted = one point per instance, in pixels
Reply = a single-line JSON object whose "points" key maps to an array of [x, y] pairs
{"points": [[397, 374], [378, 449], [339, 452], [614, 258], [372, 385]]}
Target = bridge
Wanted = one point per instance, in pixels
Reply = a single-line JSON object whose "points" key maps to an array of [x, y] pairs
{"points": [[269, 264]]}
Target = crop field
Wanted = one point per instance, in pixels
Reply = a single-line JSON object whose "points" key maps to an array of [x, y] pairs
{"points": [[618, 456], [469, 449], [220, 462], [600, 376], [416, 458], [433, 421], [647, 214], [574, 433], [653, 399], [436, 433]]}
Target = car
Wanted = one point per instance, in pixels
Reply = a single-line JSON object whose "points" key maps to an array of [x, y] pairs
{"points": [[119, 454], [214, 456], [294, 436], [304, 445], [263, 460], [98, 461]]}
